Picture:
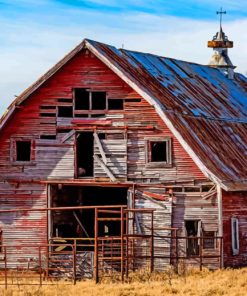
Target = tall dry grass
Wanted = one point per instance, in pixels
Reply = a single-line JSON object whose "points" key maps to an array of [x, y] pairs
{"points": [[193, 283]]}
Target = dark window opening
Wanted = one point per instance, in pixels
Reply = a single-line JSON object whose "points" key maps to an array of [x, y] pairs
{"points": [[191, 227], [65, 111], [85, 150], [63, 131], [133, 100], [48, 137], [80, 223], [81, 99], [98, 100], [159, 151], [208, 240], [116, 104], [23, 150], [64, 100], [47, 107], [48, 114]]}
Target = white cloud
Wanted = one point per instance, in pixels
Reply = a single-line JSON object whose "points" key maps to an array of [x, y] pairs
{"points": [[30, 47]]}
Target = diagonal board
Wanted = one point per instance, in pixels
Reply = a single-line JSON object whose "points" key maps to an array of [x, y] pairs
{"points": [[105, 168], [101, 150]]}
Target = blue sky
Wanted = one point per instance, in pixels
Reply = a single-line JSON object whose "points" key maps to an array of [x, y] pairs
{"points": [[35, 34]]}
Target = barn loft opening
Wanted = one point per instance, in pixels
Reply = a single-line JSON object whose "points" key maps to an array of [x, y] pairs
{"points": [[65, 111], [23, 150], [115, 104], [98, 100], [80, 223], [84, 154]]}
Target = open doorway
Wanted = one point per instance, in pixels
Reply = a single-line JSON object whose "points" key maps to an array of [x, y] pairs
{"points": [[79, 223], [84, 154], [192, 230]]}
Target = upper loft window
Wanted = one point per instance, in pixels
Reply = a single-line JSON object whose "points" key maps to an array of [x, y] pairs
{"points": [[94, 103], [85, 100], [158, 151], [22, 150]]}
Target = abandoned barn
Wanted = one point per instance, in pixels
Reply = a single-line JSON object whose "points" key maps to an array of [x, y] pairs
{"points": [[116, 160]]}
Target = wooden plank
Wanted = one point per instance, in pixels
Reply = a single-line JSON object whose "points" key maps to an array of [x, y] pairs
{"points": [[101, 150], [105, 168]]}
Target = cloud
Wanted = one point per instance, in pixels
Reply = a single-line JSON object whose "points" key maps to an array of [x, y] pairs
{"points": [[35, 40]]}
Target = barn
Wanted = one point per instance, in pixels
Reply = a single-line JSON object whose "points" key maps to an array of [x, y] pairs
{"points": [[116, 159]]}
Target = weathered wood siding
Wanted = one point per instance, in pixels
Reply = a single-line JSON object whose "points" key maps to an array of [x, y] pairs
{"points": [[55, 159], [192, 206], [235, 205], [22, 228]]}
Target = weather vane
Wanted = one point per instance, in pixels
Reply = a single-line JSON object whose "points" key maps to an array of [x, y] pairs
{"points": [[221, 12]]}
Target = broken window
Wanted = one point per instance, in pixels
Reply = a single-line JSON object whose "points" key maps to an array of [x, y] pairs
{"points": [[65, 111], [23, 150], [159, 151], [192, 230], [115, 104], [235, 235]]}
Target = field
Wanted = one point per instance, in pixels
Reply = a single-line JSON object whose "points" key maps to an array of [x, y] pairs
{"points": [[206, 283]]}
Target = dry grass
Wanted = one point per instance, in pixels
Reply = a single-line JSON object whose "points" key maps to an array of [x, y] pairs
{"points": [[206, 283]]}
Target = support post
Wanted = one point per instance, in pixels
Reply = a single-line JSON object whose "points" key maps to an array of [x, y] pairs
{"points": [[74, 262], [200, 252], [5, 268], [152, 242], [96, 267], [122, 244], [40, 268]]}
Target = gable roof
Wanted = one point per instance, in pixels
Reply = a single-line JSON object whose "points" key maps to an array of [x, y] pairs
{"points": [[206, 111]]}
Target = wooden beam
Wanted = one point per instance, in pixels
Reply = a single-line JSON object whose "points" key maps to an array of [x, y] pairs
{"points": [[101, 150], [105, 168]]}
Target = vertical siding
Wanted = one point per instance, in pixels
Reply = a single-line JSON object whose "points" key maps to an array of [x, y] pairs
{"points": [[235, 205]]}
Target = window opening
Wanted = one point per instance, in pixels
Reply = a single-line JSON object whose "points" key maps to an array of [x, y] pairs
{"points": [[48, 137], [23, 150], [47, 114], [192, 227], [115, 104], [65, 111], [158, 151], [208, 240], [81, 99], [98, 100], [85, 150], [235, 235]]}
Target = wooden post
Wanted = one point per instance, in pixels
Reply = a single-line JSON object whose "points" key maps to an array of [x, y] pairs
{"points": [[96, 267], [122, 244], [221, 252], [177, 252], [5, 268], [127, 242], [200, 253], [74, 262], [40, 267], [152, 242]]}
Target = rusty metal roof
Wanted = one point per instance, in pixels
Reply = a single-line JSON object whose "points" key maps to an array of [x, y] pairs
{"points": [[206, 110]]}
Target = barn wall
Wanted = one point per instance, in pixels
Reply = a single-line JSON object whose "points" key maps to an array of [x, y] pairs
{"points": [[235, 205], [22, 228], [55, 158], [194, 206]]}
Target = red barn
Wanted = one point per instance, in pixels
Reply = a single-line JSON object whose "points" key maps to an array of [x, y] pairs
{"points": [[120, 146]]}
